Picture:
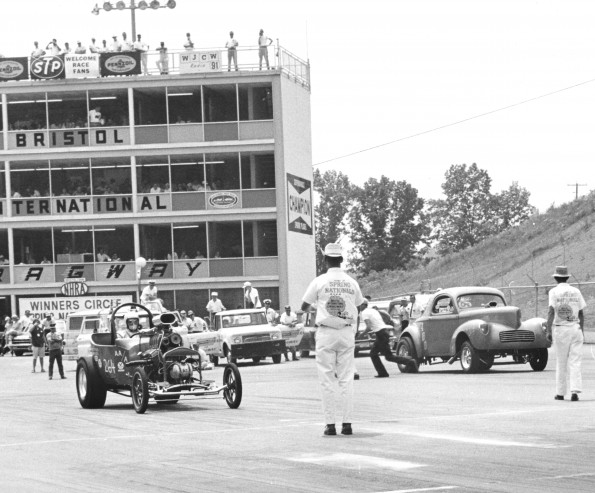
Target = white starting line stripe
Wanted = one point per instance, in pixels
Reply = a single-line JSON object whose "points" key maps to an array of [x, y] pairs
{"points": [[354, 461], [437, 488], [477, 441]]}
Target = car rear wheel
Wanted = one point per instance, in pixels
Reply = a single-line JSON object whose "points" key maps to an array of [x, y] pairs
{"points": [[469, 358], [405, 347], [90, 388], [539, 359], [140, 391], [276, 358], [233, 381]]}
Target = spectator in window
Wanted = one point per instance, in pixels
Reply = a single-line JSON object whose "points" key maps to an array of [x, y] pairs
{"points": [[93, 48], [102, 256], [143, 49], [3, 260], [80, 49], [155, 188], [188, 45], [184, 255], [115, 45], [37, 52], [163, 62], [16, 195], [126, 44], [66, 49], [232, 52], [95, 117], [45, 260], [199, 254], [53, 47]]}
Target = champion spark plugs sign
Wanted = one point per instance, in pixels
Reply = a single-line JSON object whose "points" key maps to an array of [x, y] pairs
{"points": [[299, 204]]}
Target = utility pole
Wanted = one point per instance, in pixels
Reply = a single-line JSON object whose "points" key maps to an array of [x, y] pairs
{"points": [[576, 185]]}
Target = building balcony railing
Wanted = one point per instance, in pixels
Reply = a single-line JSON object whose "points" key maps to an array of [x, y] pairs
{"points": [[82, 266], [152, 63]]}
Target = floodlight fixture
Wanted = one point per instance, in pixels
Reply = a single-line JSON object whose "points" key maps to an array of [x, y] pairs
{"points": [[107, 6], [143, 5], [120, 5], [155, 4]]}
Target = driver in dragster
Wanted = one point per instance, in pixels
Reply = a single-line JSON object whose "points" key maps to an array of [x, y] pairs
{"points": [[133, 326]]}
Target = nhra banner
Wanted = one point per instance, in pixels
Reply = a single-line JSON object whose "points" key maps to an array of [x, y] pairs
{"points": [[192, 62], [14, 68], [123, 63], [81, 66], [299, 204]]}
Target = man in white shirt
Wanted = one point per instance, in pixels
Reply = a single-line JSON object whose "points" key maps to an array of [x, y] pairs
{"points": [[269, 312], [215, 305], [289, 318], [338, 298], [565, 314], [115, 46], [232, 52], [188, 45], [93, 48], [37, 52], [374, 323], [95, 117], [251, 298], [263, 49], [126, 45], [149, 293], [80, 49], [415, 309]]}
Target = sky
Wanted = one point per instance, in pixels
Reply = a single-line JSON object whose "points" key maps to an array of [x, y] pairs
{"points": [[403, 88]]}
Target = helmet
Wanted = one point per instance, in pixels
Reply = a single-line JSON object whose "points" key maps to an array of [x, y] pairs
{"points": [[132, 316]]}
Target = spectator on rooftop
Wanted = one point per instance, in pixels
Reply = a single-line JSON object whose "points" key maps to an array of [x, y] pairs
{"points": [[37, 52], [80, 49]]}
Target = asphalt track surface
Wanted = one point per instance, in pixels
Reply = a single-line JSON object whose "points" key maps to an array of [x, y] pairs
{"points": [[439, 430]]}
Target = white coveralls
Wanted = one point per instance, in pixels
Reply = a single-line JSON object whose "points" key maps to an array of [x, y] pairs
{"points": [[567, 336], [336, 296]]}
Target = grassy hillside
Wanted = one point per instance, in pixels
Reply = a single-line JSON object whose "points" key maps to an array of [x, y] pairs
{"points": [[514, 261]]}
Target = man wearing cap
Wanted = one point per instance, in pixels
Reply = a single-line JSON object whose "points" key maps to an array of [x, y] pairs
{"points": [[80, 49], [215, 305], [55, 342], [251, 298], [338, 299], [115, 46], [143, 48], [269, 312], [232, 52], [37, 344], [375, 324], [126, 45], [289, 318], [149, 292], [565, 314]]}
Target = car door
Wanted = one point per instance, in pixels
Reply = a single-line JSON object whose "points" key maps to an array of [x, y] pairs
{"points": [[439, 328]]}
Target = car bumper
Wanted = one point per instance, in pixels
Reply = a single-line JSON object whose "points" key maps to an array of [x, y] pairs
{"points": [[258, 349]]}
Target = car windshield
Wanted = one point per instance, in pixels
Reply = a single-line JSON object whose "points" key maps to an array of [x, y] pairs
{"points": [[244, 320], [479, 300]]}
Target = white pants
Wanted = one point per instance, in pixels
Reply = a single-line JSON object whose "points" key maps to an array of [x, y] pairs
{"points": [[334, 356], [568, 341]]}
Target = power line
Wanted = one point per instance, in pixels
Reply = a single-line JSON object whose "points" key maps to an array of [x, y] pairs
{"points": [[455, 123], [577, 185]]}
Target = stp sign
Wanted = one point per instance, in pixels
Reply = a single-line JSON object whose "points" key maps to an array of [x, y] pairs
{"points": [[74, 289], [48, 67]]}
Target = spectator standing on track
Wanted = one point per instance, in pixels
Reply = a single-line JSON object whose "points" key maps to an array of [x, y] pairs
{"points": [[55, 342], [251, 298], [149, 293], [374, 323], [197, 323], [338, 298], [415, 309], [289, 318], [37, 344], [215, 305], [263, 49], [232, 51], [565, 314]]}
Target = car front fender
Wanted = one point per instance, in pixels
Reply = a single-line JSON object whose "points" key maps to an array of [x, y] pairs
{"points": [[469, 331]]}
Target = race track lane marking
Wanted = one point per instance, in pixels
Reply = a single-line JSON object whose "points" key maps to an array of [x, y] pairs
{"points": [[477, 441], [358, 462], [436, 488]]}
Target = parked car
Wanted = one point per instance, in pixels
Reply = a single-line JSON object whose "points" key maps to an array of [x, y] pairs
{"points": [[308, 342], [21, 343], [149, 364], [474, 325], [79, 327], [241, 334]]}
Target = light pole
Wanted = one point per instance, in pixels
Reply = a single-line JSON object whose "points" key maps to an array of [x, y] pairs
{"points": [[143, 5], [140, 265]]}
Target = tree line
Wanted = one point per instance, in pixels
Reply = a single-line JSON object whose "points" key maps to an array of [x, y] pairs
{"points": [[390, 227]]}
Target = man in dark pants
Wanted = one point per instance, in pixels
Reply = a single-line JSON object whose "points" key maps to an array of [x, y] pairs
{"points": [[55, 342], [374, 323]]}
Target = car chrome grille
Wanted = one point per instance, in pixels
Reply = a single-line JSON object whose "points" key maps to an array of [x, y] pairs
{"points": [[258, 338], [517, 336]]}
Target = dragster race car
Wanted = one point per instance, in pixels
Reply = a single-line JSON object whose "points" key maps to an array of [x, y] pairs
{"points": [[148, 363]]}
